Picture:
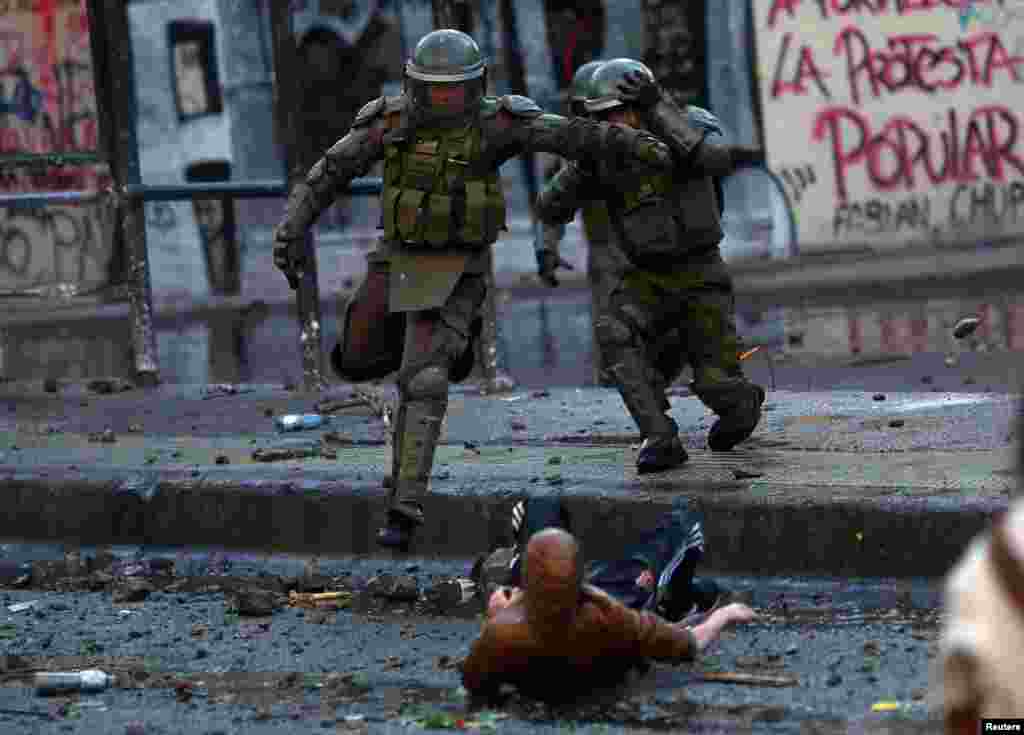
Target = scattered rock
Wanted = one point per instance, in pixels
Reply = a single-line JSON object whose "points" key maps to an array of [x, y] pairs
{"points": [[872, 648], [183, 691], [132, 589], [254, 602], [896, 423], [105, 386], [283, 454], [966, 326], [106, 436], [200, 630], [222, 459], [397, 588], [878, 397]]}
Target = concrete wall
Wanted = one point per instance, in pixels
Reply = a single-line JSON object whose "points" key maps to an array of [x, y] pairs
{"points": [[47, 104], [168, 145], [889, 143]]}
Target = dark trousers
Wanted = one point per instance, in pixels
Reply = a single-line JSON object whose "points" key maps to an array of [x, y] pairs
{"points": [[671, 550]]}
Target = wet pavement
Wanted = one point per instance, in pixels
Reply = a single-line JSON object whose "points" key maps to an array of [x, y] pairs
{"points": [[186, 662], [545, 340]]}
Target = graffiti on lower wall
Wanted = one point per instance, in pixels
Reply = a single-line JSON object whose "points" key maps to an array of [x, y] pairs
{"points": [[893, 121], [48, 105], [61, 244]]}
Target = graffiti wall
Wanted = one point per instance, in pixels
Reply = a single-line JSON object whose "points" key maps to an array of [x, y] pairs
{"points": [[893, 122], [47, 105]]}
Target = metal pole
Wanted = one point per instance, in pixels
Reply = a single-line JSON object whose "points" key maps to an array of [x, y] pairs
{"points": [[307, 296], [114, 77]]}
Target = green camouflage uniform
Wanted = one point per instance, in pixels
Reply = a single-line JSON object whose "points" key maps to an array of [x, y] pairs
{"points": [[442, 208], [669, 227]]}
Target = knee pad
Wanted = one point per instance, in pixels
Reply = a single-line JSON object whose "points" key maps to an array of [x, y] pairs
{"points": [[429, 381]]}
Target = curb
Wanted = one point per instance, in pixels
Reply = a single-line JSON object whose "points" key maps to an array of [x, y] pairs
{"points": [[875, 537]]}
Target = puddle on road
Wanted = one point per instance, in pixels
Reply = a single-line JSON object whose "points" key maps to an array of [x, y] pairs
{"points": [[545, 342]]}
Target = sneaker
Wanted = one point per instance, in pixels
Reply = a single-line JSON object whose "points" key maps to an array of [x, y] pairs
{"points": [[658, 455], [676, 592], [737, 425], [530, 516]]}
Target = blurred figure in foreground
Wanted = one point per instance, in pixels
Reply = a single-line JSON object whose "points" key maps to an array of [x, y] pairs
{"points": [[982, 645]]}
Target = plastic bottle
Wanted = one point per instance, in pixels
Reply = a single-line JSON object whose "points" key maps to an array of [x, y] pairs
{"points": [[59, 682], [299, 421]]}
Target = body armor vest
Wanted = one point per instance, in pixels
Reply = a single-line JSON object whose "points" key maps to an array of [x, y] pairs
{"points": [[434, 196], [645, 215]]}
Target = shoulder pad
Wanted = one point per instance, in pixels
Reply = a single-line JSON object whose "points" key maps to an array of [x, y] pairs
{"points": [[369, 112], [703, 119], [519, 105]]}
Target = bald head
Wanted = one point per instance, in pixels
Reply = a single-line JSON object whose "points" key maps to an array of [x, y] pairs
{"points": [[551, 577]]}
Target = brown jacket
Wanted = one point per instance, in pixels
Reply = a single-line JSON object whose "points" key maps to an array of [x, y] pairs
{"points": [[604, 640]]}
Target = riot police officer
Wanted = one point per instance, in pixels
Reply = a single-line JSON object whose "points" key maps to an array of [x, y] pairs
{"points": [[442, 142], [668, 225]]}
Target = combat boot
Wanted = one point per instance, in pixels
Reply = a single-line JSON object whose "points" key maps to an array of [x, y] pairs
{"points": [[417, 431], [658, 454], [738, 419]]}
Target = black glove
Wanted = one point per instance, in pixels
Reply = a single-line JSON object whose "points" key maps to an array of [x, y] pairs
{"points": [[640, 90], [746, 155], [290, 259], [547, 263]]}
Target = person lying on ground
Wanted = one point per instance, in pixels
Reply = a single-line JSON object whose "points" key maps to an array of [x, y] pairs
{"points": [[558, 637], [656, 573]]}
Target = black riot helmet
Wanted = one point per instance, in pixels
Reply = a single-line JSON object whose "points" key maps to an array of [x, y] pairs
{"points": [[445, 59], [579, 88]]}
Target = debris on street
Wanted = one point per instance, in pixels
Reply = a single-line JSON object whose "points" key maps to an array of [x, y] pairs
{"points": [[105, 386], [222, 389], [741, 474], [22, 606], [398, 588], [334, 405], [106, 436], [381, 406], [132, 589], [254, 602], [966, 326], [61, 682], [727, 677], [315, 600], [284, 454], [299, 422]]}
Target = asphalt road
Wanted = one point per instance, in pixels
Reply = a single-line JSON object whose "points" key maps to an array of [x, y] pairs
{"points": [[382, 666]]}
